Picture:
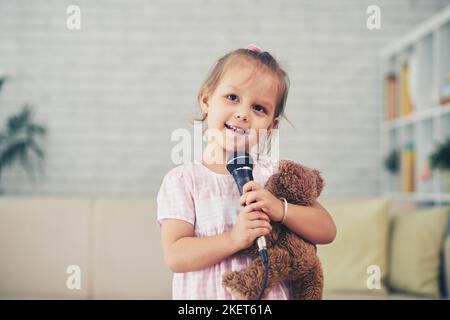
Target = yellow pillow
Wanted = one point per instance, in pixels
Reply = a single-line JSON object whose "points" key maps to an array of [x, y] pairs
{"points": [[359, 252], [414, 254]]}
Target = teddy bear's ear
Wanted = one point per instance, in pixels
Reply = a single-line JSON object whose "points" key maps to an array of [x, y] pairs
{"points": [[282, 166], [319, 182], [293, 170], [284, 182]]}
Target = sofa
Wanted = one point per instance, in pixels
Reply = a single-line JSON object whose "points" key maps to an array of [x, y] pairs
{"points": [[386, 249], [115, 242], [110, 248]]}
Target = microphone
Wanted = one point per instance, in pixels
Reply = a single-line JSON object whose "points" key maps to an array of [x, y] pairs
{"points": [[240, 165]]}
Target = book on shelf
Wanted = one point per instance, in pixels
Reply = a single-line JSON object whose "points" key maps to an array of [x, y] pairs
{"points": [[405, 94], [445, 91], [391, 96], [408, 159]]}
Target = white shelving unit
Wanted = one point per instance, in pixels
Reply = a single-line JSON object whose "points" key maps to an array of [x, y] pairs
{"points": [[427, 51]]}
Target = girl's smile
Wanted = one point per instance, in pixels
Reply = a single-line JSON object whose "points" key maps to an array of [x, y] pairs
{"points": [[236, 130]]}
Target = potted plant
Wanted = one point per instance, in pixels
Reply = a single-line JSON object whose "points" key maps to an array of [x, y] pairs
{"points": [[18, 140], [392, 165], [440, 160]]}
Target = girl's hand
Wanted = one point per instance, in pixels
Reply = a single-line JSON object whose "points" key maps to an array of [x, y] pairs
{"points": [[265, 200], [250, 224]]}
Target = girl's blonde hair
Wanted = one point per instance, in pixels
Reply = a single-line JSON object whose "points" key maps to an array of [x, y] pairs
{"points": [[261, 60]]}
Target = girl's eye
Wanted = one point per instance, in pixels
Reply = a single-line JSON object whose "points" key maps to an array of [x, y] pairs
{"points": [[261, 108], [232, 97]]}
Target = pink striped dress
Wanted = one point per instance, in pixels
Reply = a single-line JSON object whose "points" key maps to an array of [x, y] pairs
{"points": [[210, 202]]}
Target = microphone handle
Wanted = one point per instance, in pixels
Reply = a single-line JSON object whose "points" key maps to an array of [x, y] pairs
{"points": [[241, 179]]}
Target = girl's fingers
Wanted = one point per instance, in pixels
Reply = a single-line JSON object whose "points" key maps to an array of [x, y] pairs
{"points": [[259, 232], [242, 200], [251, 197], [248, 198], [252, 207], [255, 224], [254, 214], [251, 186], [255, 207]]}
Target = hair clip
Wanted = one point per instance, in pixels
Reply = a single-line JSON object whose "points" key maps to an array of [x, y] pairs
{"points": [[254, 48]]}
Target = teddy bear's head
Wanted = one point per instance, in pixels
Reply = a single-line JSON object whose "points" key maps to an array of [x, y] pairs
{"points": [[298, 184]]}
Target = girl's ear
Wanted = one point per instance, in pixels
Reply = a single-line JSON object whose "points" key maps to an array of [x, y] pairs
{"points": [[274, 124], [203, 100]]}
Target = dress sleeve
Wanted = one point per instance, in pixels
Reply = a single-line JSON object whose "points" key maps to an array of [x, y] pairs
{"points": [[272, 165], [174, 199]]}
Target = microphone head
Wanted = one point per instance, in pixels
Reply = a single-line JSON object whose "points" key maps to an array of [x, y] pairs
{"points": [[239, 159]]}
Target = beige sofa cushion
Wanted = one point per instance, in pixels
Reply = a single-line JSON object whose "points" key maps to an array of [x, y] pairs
{"points": [[417, 238], [128, 256], [39, 239], [361, 242], [446, 264]]}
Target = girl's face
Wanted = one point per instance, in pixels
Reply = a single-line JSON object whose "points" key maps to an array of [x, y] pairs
{"points": [[245, 98]]}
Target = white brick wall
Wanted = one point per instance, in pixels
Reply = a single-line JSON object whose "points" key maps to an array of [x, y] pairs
{"points": [[112, 92]]}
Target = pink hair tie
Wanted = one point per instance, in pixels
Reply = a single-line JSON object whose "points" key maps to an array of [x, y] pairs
{"points": [[254, 48]]}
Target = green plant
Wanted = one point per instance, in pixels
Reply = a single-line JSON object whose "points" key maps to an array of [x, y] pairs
{"points": [[2, 81], [19, 140], [440, 158], [392, 162]]}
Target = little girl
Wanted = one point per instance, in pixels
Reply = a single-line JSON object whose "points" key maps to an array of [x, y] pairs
{"points": [[202, 216]]}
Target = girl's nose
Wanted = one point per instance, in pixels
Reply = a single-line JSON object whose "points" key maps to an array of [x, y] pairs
{"points": [[242, 117], [242, 114]]}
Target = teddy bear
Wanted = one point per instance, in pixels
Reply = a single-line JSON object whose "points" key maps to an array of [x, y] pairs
{"points": [[291, 258]]}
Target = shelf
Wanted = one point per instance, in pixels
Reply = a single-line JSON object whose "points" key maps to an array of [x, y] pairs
{"points": [[421, 31], [415, 73], [424, 114]]}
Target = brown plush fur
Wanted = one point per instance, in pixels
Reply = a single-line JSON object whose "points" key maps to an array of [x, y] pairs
{"points": [[291, 258]]}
